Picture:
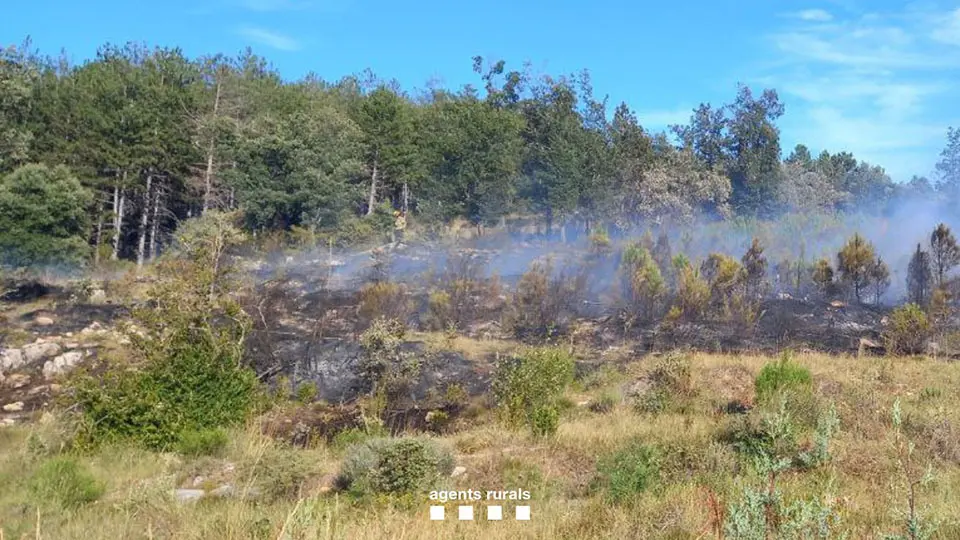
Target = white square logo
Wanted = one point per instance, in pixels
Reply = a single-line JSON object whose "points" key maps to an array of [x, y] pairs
{"points": [[523, 513], [466, 513], [436, 513], [494, 513]]}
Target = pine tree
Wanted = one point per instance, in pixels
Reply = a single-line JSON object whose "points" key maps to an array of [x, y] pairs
{"points": [[944, 253], [879, 278], [854, 262], [919, 277]]}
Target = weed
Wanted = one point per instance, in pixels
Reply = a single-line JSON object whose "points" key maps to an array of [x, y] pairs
{"points": [[623, 474], [63, 482]]}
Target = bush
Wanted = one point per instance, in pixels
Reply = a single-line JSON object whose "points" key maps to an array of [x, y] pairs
{"points": [[276, 472], [544, 304], [395, 466], [908, 330], [189, 392], [307, 392], [526, 384], [545, 420], [384, 299], [782, 375], [642, 284], [605, 403], [693, 294], [205, 442], [384, 366], [670, 385], [65, 483], [627, 472], [188, 349]]}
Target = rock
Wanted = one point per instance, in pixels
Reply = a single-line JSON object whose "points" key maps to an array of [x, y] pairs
{"points": [[40, 350], [69, 334], [71, 345], [7, 421], [11, 359], [13, 407], [98, 296], [458, 471], [62, 364], [38, 389], [225, 490], [188, 495], [95, 328], [17, 380], [43, 321]]}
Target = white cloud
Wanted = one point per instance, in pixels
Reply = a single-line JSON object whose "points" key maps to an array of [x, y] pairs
{"points": [[947, 30], [817, 15], [270, 39], [875, 84]]}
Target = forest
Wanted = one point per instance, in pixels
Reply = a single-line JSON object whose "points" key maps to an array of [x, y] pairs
{"points": [[120, 149]]}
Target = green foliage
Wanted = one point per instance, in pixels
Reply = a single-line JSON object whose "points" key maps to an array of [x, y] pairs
{"points": [[544, 420], [43, 217], [783, 375], [189, 349], [643, 285], [395, 466], [908, 330], [307, 392], [670, 385], [385, 366], [919, 277], [854, 262], [206, 442], [625, 473], [822, 276], [528, 386], [64, 483]]}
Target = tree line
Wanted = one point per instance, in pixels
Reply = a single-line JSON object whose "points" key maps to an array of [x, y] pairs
{"points": [[102, 160]]}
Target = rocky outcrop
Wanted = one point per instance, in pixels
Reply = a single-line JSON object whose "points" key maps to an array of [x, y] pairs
{"points": [[61, 364]]}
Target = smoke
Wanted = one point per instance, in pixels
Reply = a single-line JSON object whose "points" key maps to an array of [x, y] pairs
{"points": [[509, 253]]}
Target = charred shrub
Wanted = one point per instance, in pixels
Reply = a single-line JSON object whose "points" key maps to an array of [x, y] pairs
{"points": [[908, 330], [395, 466], [544, 303], [384, 365], [528, 387], [462, 294], [384, 299]]}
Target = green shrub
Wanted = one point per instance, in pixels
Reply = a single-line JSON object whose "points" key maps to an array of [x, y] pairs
{"points": [[276, 473], [189, 392], [544, 303], [526, 384], [545, 420], [670, 385], [307, 392], [908, 330], [188, 350], [782, 375], [65, 483], [206, 442], [384, 366], [623, 474], [395, 466]]}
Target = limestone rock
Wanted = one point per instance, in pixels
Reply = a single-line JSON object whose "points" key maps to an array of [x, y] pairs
{"points": [[13, 407], [43, 321], [188, 495], [98, 296], [458, 471], [62, 364], [17, 380], [40, 350], [11, 359]]}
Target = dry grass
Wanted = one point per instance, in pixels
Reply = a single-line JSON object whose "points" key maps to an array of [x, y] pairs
{"points": [[558, 471]]}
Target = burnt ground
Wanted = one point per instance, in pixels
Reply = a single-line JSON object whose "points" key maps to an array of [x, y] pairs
{"points": [[306, 328]]}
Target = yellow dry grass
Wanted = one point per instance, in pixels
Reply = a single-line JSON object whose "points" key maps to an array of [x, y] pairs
{"points": [[862, 476]]}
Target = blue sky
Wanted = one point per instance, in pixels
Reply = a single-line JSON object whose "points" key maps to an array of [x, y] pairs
{"points": [[877, 78]]}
